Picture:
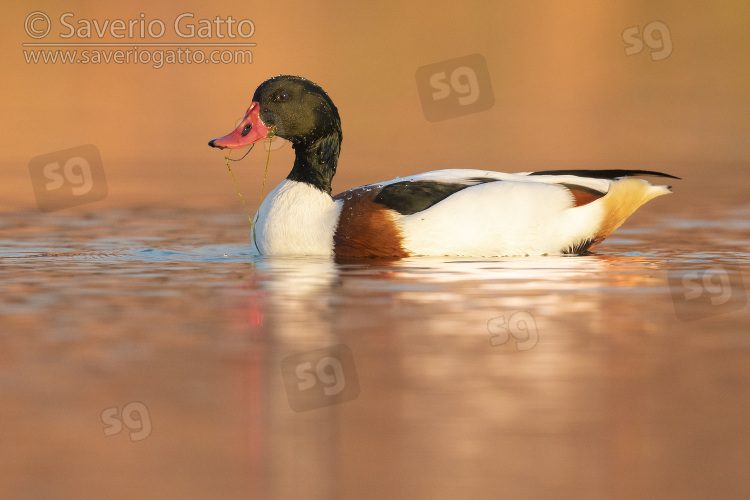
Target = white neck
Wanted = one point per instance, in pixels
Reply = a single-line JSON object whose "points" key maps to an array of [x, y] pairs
{"points": [[297, 219]]}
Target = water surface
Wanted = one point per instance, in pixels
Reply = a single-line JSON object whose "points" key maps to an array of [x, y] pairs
{"points": [[620, 374]]}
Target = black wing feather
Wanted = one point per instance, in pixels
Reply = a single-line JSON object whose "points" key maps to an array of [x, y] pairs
{"points": [[410, 197], [603, 174]]}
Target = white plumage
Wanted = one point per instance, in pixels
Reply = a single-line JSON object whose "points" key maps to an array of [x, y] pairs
{"points": [[296, 219], [522, 215]]}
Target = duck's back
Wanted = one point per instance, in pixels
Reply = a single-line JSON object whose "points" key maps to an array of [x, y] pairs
{"points": [[480, 213]]}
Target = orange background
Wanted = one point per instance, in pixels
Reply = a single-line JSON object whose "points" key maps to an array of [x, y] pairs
{"points": [[566, 95]]}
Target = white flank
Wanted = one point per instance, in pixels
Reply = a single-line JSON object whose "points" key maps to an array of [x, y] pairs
{"points": [[501, 219], [297, 219]]}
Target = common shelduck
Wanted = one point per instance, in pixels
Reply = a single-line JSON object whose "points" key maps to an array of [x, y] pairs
{"points": [[439, 213]]}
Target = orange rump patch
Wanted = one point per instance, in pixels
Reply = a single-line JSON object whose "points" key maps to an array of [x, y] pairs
{"points": [[583, 195]]}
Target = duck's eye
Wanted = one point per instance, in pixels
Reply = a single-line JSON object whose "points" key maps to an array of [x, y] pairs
{"points": [[282, 96]]}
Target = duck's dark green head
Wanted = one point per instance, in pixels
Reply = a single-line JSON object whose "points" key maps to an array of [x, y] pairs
{"points": [[299, 111], [290, 107]]}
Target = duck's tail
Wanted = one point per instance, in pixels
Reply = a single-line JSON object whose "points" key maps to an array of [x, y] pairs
{"points": [[624, 197]]}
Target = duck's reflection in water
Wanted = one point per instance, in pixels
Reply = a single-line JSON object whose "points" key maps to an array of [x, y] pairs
{"points": [[455, 359]]}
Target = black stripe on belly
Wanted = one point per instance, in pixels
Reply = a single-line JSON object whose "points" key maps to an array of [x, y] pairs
{"points": [[410, 197], [581, 248]]}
